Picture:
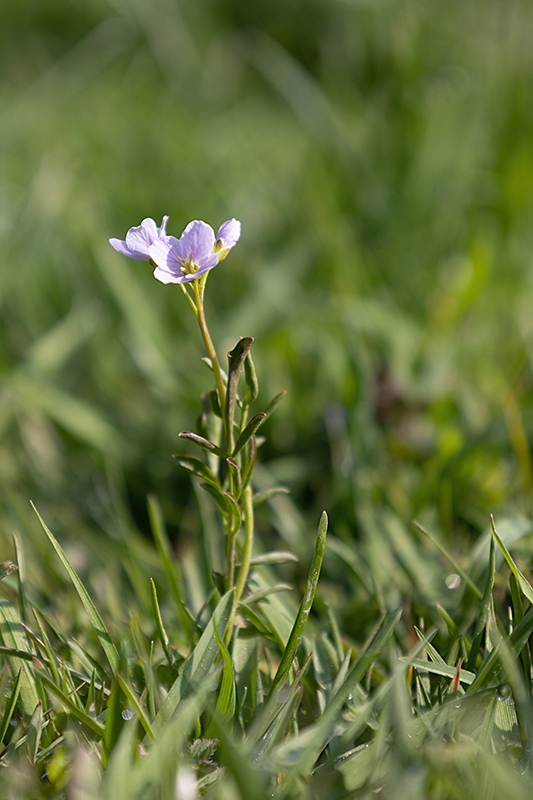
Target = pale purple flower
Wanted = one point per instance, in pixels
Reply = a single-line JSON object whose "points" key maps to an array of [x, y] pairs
{"points": [[138, 240], [194, 253]]}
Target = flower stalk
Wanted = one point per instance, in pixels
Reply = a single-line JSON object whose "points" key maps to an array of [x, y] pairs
{"points": [[199, 287], [188, 260]]}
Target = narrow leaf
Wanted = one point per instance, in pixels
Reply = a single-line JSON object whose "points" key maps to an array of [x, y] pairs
{"points": [[518, 614], [249, 431], [445, 670], [250, 379], [197, 467], [269, 494], [15, 639], [205, 444], [10, 707], [235, 475], [262, 593], [524, 584], [305, 608], [483, 611], [70, 706], [236, 359], [225, 707], [227, 506], [275, 557], [274, 403], [214, 403], [34, 733], [163, 636]]}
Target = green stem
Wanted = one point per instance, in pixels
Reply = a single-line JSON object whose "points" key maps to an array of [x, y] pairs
{"points": [[189, 299], [198, 287], [248, 510], [230, 561]]}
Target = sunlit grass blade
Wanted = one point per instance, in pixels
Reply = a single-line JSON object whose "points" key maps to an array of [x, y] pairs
{"points": [[34, 733], [481, 620], [21, 577], [300, 622], [14, 638], [225, 707], [96, 620], [276, 713], [197, 666], [524, 584], [518, 616], [114, 721], [248, 684], [436, 668], [163, 636], [70, 706]]}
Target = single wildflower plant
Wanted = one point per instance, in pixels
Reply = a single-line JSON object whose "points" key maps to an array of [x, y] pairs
{"points": [[139, 239], [187, 261]]}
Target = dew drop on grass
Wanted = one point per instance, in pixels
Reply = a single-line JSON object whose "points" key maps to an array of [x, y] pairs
{"points": [[504, 692], [127, 714], [452, 581]]}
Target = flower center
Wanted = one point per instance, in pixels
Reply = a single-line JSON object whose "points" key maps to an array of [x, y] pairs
{"points": [[188, 266]]}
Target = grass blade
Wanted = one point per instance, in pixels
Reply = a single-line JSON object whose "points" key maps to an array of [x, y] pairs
{"points": [[197, 666], [305, 607], [524, 584], [70, 706], [14, 638], [484, 611], [96, 620], [8, 713]]}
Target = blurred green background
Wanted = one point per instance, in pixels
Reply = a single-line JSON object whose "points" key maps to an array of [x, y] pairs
{"points": [[380, 157]]}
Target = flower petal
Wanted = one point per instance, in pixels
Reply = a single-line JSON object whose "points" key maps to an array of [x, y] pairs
{"points": [[162, 231], [165, 253], [197, 241], [121, 247], [140, 238], [229, 233], [165, 276]]}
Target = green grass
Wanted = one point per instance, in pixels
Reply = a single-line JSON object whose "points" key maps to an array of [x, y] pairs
{"points": [[380, 158]]}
